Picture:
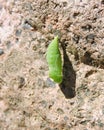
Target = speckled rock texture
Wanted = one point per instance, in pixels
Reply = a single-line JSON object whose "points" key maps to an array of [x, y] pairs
{"points": [[29, 100]]}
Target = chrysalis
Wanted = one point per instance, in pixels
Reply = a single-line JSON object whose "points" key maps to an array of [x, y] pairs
{"points": [[54, 61]]}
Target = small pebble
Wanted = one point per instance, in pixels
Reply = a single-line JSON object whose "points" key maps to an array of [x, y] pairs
{"points": [[8, 44], [60, 111], [21, 81], [26, 25], [43, 103], [1, 51], [90, 38], [66, 118], [18, 32], [49, 83]]}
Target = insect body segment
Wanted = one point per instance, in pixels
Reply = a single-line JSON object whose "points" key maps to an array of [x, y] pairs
{"points": [[54, 61]]}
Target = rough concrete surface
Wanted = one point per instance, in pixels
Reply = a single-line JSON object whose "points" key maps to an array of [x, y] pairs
{"points": [[29, 100]]}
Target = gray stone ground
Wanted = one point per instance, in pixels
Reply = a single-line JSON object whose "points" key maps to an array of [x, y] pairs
{"points": [[29, 100]]}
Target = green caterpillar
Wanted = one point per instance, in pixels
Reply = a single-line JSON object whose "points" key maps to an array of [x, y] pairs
{"points": [[54, 60]]}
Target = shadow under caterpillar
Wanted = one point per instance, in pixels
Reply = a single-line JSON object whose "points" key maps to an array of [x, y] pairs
{"points": [[68, 83]]}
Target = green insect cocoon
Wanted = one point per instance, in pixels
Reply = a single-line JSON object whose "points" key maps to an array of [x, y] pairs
{"points": [[54, 61]]}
